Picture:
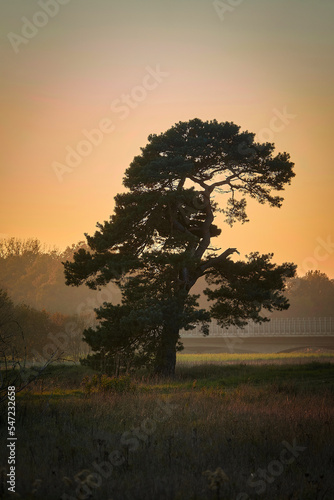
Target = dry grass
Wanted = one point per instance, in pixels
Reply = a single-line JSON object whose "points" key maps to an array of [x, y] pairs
{"points": [[230, 417]]}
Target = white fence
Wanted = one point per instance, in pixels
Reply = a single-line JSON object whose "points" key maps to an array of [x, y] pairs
{"points": [[275, 327]]}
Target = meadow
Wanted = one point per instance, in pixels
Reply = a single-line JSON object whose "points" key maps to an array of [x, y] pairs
{"points": [[228, 426]]}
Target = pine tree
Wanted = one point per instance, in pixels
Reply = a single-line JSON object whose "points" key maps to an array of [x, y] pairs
{"points": [[158, 243]]}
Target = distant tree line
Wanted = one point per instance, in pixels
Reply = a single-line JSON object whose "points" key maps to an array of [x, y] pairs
{"points": [[39, 315], [33, 275], [310, 296]]}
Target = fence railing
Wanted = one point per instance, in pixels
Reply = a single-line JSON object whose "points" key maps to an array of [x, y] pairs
{"points": [[274, 327]]}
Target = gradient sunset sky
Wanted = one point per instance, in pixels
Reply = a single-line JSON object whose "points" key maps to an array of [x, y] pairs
{"points": [[249, 63]]}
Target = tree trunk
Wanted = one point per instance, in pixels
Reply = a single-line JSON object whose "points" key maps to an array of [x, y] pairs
{"points": [[166, 354], [165, 360]]}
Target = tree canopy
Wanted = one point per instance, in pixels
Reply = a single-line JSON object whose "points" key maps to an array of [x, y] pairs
{"points": [[159, 242]]}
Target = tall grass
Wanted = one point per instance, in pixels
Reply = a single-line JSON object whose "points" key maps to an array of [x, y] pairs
{"points": [[229, 417]]}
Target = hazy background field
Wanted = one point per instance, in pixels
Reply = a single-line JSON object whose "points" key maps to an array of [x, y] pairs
{"points": [[258, 344]]}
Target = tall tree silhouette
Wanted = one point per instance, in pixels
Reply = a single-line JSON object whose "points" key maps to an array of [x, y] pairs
{"points": [[158, 242]]}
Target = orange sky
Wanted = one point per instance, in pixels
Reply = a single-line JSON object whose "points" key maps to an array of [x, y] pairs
{"points": [[247, 64]]}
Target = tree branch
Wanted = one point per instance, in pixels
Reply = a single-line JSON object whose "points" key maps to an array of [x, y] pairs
{"points": [[216, 260], [200, 182], [225, 181]]}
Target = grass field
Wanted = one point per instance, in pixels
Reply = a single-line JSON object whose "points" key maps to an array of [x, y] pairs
{"points": [[226, 427]]}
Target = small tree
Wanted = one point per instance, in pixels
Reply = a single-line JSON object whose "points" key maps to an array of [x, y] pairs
{"points": [[158, 242]]}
